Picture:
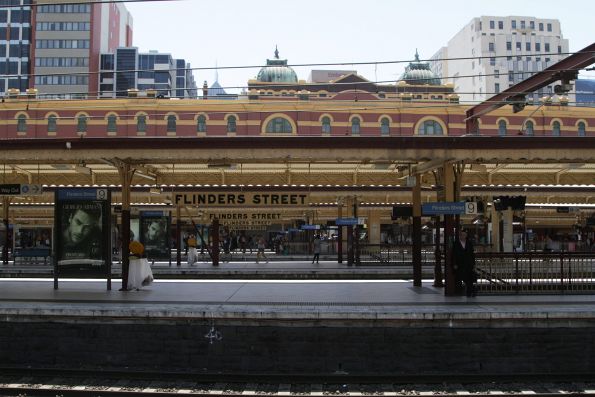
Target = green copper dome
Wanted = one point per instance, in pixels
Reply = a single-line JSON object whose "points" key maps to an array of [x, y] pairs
{"points": [[277, 71], [419, 73]]}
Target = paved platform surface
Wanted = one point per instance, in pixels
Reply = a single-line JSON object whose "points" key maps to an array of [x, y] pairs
{"points": [[278, 299]]}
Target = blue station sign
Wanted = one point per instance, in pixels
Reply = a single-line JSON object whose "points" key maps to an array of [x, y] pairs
{"points": [[443, 208], [346, 221]]}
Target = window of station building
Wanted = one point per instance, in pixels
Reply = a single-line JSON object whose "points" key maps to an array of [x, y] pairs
{"points": [[513, 24], [141, 123], [497, 88], [556, 128], [355, 126], [549, 27], [537, 46], [547, 47], [201, 124], [529, 128], [492, 25], [541, 26], [509, 45], [52, 123], [430, 127], [279, 125], [231, 124], [112, 125], [528, 46], [523, 25], [500, 25], [502, 127], [491, 47], [581, 129], [518, 45], [326, 125], [81, 126], [171, 123], [385, 126], [531, 24], [22, 123], [492, 61]]}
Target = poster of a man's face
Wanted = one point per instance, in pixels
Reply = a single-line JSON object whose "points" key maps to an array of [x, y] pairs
{"points": [[154, 236], [81, 231]]}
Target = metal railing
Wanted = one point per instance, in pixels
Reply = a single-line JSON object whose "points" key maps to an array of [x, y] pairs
{"points": [[535, 272]]}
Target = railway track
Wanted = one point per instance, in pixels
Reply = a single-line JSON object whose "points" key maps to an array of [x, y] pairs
{"points": [[125, 384]]}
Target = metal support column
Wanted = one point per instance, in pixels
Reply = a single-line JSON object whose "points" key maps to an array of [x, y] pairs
{"points": [[215, 240], [449, 193], [5, 211], [178, 236], [417, 231], [126, 173], [339, 232]]}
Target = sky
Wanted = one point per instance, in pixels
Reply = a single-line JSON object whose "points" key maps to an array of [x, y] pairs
{"points": [[232, 33]]}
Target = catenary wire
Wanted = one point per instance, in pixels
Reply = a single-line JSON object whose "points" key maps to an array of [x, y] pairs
{"points": [[208, 68]]}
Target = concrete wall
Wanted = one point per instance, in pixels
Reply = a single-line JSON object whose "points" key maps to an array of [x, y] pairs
{"points": [[372, 349]]}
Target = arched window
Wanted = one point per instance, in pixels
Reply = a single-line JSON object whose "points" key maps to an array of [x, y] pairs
{"points": [[279, 125], [355, 126], [581, 129], [502, 128], [52, 123], [430, 127], [111, 123], [385, 126], [231, 124], [201, 124], [22, 123], [141, 123], [326, 125], [81, 126], [171, 123], [529, 128], [556, 128]]}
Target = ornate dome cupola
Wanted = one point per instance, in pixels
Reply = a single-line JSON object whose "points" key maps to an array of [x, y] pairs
{"points": [[419, 73], [277, 71]]}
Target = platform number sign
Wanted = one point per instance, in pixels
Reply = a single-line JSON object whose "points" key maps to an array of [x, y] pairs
{"points": [[471, 208]]}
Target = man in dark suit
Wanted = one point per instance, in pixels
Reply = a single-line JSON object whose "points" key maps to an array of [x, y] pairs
{"points": [[464, 262]]}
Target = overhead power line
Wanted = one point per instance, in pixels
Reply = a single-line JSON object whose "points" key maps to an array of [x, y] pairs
{"points": [[31, 3]]}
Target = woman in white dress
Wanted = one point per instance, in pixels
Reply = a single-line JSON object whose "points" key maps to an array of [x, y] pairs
{"points": [[139, 271]]}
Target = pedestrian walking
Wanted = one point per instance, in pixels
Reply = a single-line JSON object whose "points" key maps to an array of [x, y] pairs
{"points": [[261, 245]]}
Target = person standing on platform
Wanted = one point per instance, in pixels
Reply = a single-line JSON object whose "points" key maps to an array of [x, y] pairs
{"points": [[260, 245], [316, 243], [464, 262], [191, 245]]}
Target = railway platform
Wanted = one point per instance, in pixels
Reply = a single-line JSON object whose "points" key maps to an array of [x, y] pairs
{"points": [[357, 327], [245, 267]]}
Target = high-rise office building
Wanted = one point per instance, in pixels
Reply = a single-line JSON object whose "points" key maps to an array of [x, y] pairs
{"points": [[15, 40], [493, 53], [68, 39], [126, 69]]}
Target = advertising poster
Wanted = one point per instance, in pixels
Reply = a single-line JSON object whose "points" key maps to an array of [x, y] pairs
{"points": [[134, 230], [82, 233], [154, 232]]}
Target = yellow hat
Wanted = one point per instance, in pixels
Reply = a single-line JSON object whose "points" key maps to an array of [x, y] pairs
{"points": [[136, 248]]}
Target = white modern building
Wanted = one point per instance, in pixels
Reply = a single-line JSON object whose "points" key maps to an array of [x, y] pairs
{"points": [[493, 53]]}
